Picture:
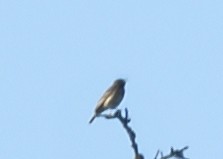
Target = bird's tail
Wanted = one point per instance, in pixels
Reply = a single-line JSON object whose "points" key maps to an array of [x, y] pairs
{"points": [[92, 119]]}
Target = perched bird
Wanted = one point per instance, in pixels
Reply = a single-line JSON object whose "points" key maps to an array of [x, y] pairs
{"points": [[111, 98]]}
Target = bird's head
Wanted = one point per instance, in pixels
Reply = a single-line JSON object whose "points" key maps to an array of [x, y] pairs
{"points": [[120, 82]]}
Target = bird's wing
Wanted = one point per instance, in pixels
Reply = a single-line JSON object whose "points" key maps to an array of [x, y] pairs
{"points": [[104, 97]]}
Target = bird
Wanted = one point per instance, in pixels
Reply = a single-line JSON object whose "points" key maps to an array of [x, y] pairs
{"points": [[111, 98]]}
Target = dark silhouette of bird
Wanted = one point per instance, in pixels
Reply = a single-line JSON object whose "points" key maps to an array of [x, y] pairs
{"points": [[111, 98]]}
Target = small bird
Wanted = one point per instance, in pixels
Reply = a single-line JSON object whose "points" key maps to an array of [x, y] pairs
{"points": [[111, 98]]}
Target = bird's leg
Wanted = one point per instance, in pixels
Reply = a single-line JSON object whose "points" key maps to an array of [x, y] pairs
{"points": [[110, 113]]}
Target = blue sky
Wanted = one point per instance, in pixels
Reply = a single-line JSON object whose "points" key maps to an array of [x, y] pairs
{"points": [[58, 57]]}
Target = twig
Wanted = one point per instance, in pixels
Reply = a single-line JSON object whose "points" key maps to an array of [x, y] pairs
{"points": [[173, 153], [157, 153], [124, 121]]}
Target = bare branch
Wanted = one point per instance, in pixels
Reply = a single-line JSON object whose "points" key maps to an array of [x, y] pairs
{"points": [[157, 153], [124, 121], [173, 153]]}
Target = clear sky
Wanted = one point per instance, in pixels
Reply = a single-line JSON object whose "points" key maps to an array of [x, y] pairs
{"points": [[58, 57]]}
